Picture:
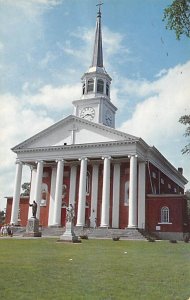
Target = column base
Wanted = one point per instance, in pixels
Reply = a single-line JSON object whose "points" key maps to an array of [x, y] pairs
{"points": [[132, 227], [104, 226], [80, 226], [32, 228]]}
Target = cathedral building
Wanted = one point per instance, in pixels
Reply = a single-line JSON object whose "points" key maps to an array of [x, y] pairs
{"points": [[113, 179]]}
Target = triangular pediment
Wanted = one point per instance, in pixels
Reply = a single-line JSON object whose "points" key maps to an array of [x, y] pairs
{"points": [[74, 130]]}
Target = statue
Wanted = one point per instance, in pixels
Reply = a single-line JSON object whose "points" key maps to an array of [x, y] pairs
{"points": [[69, 235], [34, 208], [69, 213], [32, 228]]}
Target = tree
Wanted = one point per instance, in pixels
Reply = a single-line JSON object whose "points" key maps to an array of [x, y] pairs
{"points": [[26, 189], [2, 217], [186, 121], [177, 16]]}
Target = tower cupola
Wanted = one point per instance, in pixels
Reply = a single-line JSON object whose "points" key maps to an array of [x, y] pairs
{"points": [[95, 104]]}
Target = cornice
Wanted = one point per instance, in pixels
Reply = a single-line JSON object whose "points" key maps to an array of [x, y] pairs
{"points": [[158, 160], [77, 146]]}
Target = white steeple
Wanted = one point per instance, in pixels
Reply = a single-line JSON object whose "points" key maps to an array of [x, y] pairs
{"points": [[95, 104]]}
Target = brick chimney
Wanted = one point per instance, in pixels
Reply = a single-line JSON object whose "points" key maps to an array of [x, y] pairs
{"points": [[180, 170]]}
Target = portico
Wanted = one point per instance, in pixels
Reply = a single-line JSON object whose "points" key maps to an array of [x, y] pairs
{"points": [[104, 196]]}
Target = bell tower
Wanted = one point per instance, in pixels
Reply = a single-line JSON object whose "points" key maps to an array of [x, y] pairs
{"points": [[95, 103]]}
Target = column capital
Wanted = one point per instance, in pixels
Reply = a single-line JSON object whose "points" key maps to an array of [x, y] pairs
{"points": [[116, 163], [57, 160], [39, 161], [32, 168], [107, 156], [132, 155], [83, 158], [19, 162]]}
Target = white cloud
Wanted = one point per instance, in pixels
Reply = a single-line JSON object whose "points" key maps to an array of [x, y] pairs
{"points": [[56, 98], [168, 100], [22, 117], [32, 8], [155, 118], [112, 45], [17, 123]]}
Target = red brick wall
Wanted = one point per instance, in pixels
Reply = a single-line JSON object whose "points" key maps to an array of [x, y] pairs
{"points": [[177, 213], [8, 210], [24, 206], [161, 188], [123, 209]]}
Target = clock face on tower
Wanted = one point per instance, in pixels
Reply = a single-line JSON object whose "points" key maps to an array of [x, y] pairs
{"points": [[87, 113], [108, 118]]}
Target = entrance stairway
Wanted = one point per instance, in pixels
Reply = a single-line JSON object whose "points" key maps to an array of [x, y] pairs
{"points": [[101, 233], [98, 233]]}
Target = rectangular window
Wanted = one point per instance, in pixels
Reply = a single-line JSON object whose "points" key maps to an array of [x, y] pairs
{"points": [[153, 174]]}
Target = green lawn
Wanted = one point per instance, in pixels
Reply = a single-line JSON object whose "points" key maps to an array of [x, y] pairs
{"points": [[95, 269]]}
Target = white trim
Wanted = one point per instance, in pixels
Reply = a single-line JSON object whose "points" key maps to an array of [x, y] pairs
{"points": [[165, 223]]}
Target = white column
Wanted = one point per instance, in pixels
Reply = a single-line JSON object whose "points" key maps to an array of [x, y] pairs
{"points": [[94, 195], [95, 85], [58, 193], [82, 193], [16, 194], [104, 87], [85, 86], [38, 187], [32, 189], [116, 196], [52, 196], [132, 223], [72, 190], [106, 193], [141, 195]]}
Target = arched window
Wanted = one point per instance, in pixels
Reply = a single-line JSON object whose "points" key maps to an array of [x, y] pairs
{"points": [[100, 86], [88, 183], [107, 89], [126, 199], [90, 86], [44, 196], [83, 88], [165, 214]]}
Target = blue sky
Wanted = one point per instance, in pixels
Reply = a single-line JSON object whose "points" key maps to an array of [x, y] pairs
{"points": [[46, 46]]}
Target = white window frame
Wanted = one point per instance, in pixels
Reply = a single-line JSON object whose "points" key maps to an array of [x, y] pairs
{"points": [[165, 215], [126, 194]]}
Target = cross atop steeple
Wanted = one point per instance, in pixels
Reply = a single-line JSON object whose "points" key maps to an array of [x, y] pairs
{"points": [[99, 11]]}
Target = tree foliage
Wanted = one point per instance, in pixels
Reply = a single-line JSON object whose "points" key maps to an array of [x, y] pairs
{"points": [[177, 16], [26, 189], [185, 120], [2, 217]]}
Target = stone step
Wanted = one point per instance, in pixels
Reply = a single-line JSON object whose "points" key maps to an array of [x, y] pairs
{"points": [[132, 234]]}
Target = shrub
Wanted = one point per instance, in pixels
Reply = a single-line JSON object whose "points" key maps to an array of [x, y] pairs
{"points": [[84, 237], [173, 241], [115, 238]]}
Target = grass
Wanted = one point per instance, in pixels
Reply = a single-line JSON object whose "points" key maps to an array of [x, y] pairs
{"points": [[95, 269]]}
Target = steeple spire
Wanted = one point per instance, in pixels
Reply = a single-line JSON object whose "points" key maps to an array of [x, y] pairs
{"points": [[95, 104], [97, 59]]}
